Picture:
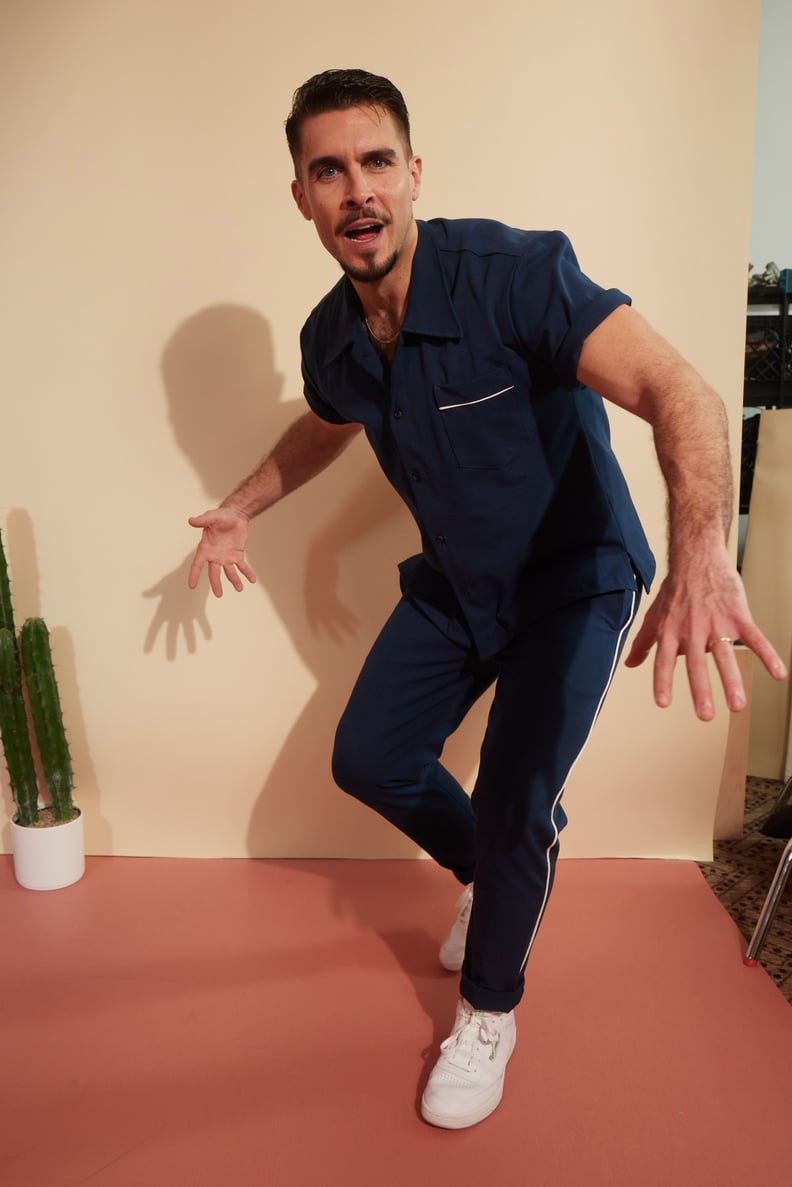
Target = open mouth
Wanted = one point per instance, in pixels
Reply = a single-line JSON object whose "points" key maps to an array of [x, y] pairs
{"points": [[363, 232]]}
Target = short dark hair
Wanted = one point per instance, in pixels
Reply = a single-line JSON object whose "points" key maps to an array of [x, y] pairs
{"points": [[336, 90]]}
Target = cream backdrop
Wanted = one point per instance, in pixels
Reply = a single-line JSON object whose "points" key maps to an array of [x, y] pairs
{"points": [[154, 278]]}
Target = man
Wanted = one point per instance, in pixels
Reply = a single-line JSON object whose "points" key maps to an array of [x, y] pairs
{"points": [[470, 353]]}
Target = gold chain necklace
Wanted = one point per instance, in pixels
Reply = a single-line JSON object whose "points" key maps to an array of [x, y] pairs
{"points": [[382, 341]]}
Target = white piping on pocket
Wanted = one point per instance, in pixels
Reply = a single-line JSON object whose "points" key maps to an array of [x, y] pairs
{"points": [[481, 400]]}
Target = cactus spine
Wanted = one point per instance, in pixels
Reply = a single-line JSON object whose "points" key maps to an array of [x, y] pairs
{"points": [[45, 711]]}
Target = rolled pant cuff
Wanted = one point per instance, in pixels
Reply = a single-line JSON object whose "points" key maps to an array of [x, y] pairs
{"points": [[489, 999]]}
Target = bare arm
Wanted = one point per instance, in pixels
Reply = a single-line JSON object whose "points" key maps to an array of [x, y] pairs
{"points": [[702, 599], [307, 447]]}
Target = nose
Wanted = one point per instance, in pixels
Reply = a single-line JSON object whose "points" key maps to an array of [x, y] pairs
{"points": [[358, 189]]}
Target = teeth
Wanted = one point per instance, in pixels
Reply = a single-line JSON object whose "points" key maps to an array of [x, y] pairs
{"points": [[353, 232]]}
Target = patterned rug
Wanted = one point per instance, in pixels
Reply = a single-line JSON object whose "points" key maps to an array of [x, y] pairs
{"points": [[741, 874]]}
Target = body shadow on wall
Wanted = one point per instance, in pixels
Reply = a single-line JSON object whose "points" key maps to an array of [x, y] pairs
{"points": [[326, 559]]}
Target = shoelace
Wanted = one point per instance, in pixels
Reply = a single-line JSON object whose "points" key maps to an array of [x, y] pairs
{"points": [[462, 1048]]}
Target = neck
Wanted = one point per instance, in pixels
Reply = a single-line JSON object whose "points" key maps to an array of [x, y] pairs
{"points": [[384, 301]]}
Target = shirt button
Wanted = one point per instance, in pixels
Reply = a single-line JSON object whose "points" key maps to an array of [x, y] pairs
{"points": [[397, 414], [440, 539], [416, 477]]}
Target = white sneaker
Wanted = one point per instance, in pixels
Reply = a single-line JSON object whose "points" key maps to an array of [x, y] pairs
{"points": [[452, 949], [466, 1083]]}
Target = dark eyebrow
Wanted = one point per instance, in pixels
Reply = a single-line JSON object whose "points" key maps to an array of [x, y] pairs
{"points": [[381, 154], [322, 163]]}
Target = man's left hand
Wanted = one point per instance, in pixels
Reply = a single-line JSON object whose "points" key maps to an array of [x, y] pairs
{"points": [[702, 611]]}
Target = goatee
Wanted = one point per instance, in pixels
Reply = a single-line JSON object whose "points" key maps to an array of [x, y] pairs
{"points": [[371, 272]]}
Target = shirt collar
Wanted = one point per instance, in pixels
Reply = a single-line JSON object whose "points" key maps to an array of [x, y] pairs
{"points": [[430, 312]]}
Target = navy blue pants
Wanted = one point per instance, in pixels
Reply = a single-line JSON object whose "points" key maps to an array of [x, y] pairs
{"points": [[417, 684]]}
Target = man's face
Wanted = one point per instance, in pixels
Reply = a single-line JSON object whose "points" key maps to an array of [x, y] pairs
{"points": [[357, 183]]}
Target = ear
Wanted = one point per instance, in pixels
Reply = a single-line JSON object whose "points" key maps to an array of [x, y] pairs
{"points": [[298, 193], [416, 170]]}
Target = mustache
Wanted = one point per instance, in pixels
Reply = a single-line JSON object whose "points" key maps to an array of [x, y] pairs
{"points": [[367, 215]]}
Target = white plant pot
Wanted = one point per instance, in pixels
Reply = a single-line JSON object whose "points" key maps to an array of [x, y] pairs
{"points": [[49, 858]]}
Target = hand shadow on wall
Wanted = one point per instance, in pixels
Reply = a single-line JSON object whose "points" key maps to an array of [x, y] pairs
{"points": [[325, 557]]}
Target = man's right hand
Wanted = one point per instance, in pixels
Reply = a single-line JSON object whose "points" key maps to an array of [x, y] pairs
{"points": [[222, 547]]}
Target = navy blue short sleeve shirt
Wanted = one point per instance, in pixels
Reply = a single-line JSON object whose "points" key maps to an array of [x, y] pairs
{"points": [[480, 424]]}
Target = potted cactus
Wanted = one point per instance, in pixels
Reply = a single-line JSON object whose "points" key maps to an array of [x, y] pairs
{"points": [[47, 832]]}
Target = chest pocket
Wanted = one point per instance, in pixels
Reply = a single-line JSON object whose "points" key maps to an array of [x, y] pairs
{"points": [[483, 420]]}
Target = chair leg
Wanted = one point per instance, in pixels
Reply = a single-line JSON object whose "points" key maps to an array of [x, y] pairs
{"points": [[768, 911]]}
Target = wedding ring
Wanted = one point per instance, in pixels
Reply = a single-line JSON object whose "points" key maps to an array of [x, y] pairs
{"points": [[721, 639]]}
